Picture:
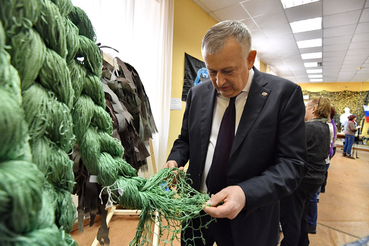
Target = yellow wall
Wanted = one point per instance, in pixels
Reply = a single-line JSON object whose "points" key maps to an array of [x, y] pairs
{"points": [[190, 25]]}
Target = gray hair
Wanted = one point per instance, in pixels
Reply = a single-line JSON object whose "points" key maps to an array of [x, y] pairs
{"points": [[218, 35]]}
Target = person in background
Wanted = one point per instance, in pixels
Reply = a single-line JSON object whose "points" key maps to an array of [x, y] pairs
{"points": [[267, 149], [314, 200], [294, 208], [351, 128], [332, 151]]}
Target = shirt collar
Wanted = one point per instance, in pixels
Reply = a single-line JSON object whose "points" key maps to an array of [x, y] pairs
{"points": [[249, 81]]}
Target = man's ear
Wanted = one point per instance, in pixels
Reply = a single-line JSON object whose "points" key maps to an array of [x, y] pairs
{"points": [[251, 59]]}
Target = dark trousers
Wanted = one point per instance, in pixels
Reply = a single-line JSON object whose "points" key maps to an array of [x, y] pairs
{"points": [[294, 209], [218, 231]]}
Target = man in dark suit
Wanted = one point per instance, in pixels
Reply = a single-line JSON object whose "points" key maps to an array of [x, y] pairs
{"points": [[267, 156]]}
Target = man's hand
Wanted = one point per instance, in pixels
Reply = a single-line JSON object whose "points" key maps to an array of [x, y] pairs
{"points": [[233, 199], [171, 164]]}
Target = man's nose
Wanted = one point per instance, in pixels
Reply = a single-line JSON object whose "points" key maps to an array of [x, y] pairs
{"points": [[220, 80]]}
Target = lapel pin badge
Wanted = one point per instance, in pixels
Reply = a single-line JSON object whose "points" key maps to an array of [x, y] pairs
{"points": [[264, 94]]}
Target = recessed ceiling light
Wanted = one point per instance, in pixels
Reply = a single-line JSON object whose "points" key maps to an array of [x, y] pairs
{"points": [[309, 43], [314, 71], [316, 80], [306, 25], [315, 76], [311, 55], [310, 64], [293, 3]]}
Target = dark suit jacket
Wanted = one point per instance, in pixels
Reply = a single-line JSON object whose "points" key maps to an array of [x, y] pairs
{"points": [[268, 154]]}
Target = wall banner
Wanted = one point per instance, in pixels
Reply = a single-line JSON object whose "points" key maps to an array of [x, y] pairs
{"points": [[195, 73]]}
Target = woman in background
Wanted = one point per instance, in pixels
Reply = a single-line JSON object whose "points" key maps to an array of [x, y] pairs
{"points": [[313, 207], [351, 128], [294, 208]]}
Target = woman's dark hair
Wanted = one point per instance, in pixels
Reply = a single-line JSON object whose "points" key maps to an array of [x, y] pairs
{"points": [[351, 117]]}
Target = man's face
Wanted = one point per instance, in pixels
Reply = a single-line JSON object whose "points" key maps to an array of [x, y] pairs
{"points": [[228, 69]]}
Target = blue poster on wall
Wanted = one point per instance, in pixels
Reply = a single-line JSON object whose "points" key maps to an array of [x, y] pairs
{"points": [[195, 73]]}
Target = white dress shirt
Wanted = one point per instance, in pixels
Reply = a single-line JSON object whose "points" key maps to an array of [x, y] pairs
{"points": [[221, 103]]}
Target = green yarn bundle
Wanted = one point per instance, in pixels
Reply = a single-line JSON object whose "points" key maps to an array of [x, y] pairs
{"points": [[36, 42], [56, 102], [26, 211]]}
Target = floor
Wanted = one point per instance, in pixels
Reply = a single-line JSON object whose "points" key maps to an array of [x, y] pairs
{"points": [[343, 210]]}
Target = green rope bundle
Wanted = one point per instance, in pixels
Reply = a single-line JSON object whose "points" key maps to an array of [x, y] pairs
{"points": [[54, 76], [65, 6], [52, 120], [9, 77], [72, 40], [81, 20], [50, 26], [28, 52], [26, 213], [18, 14], [53, 163], [12, 139], [91, 54], [38, 50]]}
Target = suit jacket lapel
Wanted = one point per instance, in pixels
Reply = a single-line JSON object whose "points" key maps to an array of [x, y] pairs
{"points": [[257, 97], [207, 111]]}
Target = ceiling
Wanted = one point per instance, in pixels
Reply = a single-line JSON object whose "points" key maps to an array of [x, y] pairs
{"points": [[344, 33]]}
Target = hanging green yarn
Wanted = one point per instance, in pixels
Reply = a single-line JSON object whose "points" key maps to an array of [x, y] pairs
{"points": [[23, 188], [18, 14], [53, 163], [54, 76], [9, 79], [2, 36], [81, 20], [14, 127], [23, 183], [28, 55], [50, 236], [77, 75], [72, 39], [92, 87], [82, 108], [102, 120], [60, 125], [51, 28], [65, 210], [47, 116], [35, 102], [91, 54], [65, 6]]}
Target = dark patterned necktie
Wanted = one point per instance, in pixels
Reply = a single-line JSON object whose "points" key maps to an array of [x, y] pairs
{"points": [[217, 176]]}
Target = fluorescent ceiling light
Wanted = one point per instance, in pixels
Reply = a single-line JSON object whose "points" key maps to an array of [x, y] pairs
{"points": [[314, 71], [315, 76], [293, 3], [309, 43], [310, 64], [306, 25], [316, 80], [311, 55]]}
